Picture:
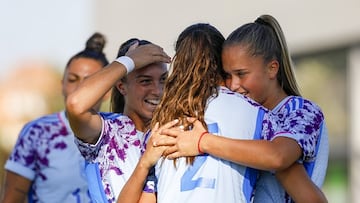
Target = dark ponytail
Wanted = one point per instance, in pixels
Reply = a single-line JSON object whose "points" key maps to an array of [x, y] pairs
{"points": [[93, 50]]}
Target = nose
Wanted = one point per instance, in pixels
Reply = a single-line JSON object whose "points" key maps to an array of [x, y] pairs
{"points": [[157, 88], [233, 84]]}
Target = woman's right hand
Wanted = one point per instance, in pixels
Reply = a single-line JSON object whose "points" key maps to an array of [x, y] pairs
{"points": [[147, 54], [181, 143]]}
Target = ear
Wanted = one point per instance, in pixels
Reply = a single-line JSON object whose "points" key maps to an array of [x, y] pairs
{"points": [[273, 68], [120, 86]]}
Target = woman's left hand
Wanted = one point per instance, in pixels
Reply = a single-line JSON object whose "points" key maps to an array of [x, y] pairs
{"points": [[153, 153]]}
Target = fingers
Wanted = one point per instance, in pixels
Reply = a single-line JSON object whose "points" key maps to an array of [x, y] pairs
{"points": [[147, 54], [191, 119], [161, 56], [156, 127], [169, 124], [172, 132], [157, 134], [171, 153], [155, 131], [152, 155], [164, 141], [134, 45], [157, 53], [174, 155]]}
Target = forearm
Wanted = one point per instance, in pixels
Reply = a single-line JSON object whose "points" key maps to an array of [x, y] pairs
{"points": [[132, 190], [93, 89], [15, 189], [84, 120], [299, 186], [259, 154]]}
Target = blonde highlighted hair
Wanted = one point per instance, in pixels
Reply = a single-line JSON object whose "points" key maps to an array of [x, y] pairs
{"points": [[196, 73], [265, 38]]}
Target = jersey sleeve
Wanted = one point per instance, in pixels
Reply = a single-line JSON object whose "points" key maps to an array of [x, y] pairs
{"points": [[117, 130], [23, 157], [303, 125], [90, 151]]}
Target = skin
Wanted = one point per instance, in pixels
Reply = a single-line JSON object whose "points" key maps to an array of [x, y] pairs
{"points": [[245, 72], [86, 123], [249, 147], [16, 186], [142, 90], [132, 191], [251, 76]]}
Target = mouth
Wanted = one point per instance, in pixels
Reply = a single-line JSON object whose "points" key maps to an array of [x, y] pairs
{"points": [[153, 102], [245, 93]]}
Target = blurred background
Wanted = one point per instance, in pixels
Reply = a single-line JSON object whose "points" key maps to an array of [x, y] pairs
{"points": [[38, 37]]}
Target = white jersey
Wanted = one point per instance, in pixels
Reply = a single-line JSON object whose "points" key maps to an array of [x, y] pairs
{"points": [[45, 153], [210, 179], [293, 115]]}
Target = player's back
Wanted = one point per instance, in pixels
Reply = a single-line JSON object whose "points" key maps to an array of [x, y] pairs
{"points": [[209, 178]]}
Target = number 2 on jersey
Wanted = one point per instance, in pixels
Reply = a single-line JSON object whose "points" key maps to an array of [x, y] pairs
{"points": [[187, 181]]}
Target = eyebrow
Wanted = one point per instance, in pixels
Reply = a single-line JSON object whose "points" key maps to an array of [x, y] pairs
{"points": [[78, 76], [73, 74], [149, 76]]}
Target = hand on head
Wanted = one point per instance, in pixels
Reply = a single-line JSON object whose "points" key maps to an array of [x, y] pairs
{"points": [[147, 54]]}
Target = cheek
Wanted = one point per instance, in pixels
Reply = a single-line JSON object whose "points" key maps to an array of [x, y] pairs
{"points": [[252, 84], [228, 82], [256, 90], [137, 92]]}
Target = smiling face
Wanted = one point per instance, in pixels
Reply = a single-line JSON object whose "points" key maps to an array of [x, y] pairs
{"points": [[142, 90], [250, 75]]}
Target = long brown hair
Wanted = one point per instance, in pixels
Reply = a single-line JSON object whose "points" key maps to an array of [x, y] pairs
{"points": [[195, 75]]}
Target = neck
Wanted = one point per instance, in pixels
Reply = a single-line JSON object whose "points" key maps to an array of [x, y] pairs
{"points": [[139, 123], [274, 99]]}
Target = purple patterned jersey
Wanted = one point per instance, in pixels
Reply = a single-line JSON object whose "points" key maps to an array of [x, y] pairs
{"points": [[299, 119], [113, 158], [303, 121], [45, 153]]}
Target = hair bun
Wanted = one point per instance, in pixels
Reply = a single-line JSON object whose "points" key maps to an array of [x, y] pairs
{"points": [[96, 42]]}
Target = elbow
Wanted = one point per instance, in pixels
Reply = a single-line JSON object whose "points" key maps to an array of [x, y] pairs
{"points": [[279, 162], [73, 105]]}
